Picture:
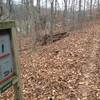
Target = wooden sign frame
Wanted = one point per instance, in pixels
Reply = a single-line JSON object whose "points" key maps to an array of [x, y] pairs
{"points": [[16, 79]]}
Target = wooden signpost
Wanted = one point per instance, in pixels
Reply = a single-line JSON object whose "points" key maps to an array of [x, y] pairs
{"points": [[9, 64]]}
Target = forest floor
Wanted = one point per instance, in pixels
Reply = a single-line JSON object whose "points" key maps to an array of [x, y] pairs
{"points": [[68, 69]]}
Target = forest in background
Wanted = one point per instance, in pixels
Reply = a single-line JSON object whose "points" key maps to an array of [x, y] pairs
{"points": [[49, 16]]}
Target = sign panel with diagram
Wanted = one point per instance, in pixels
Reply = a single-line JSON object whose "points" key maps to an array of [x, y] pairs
{"points": [[7, 71]]}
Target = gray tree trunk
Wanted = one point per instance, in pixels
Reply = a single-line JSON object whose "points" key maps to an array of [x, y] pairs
{"points": [[91, 1], [84, 7], [65, 11], [52, 16], [1, 9], [98, 7], [79, 15]]}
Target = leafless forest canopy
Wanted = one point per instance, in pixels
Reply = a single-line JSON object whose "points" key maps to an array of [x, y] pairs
{"points": [[49, 15]]}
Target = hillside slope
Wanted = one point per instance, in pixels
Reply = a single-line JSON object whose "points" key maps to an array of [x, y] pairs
{"points": [[68, 69], [65, 70]]}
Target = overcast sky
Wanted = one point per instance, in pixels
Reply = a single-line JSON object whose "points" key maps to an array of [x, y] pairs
{"points": [[43, 2], [61, 3]]}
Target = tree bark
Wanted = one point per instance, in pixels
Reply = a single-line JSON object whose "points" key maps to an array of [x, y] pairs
{"points": [[65, 11], [51, 20], [1, 9], [91, 1]]}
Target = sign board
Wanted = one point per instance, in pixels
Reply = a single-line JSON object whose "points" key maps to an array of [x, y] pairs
{"points": [[7, 60], [10, 74]]}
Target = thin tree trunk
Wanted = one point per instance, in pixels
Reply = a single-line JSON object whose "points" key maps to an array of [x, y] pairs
{"points": [[91, 1], [1, 9], [84, 7], [65, 12], [51, 19], [98, 7], [80, 14]]}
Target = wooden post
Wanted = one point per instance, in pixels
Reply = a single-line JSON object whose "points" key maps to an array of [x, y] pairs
{"points": [[18, 85]]}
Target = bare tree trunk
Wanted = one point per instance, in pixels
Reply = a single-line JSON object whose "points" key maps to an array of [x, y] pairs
{"points": [[91, 1], [55, 7], [65, 11], [98, 10], [9, 6], [37, 22], [79, 15], [1, 9], [84, 7], [32, 3], [46, 6], [52, 16], [72, 14]]}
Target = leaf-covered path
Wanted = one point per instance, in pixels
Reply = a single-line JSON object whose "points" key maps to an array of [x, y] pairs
{"points": [[65, 70]]}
